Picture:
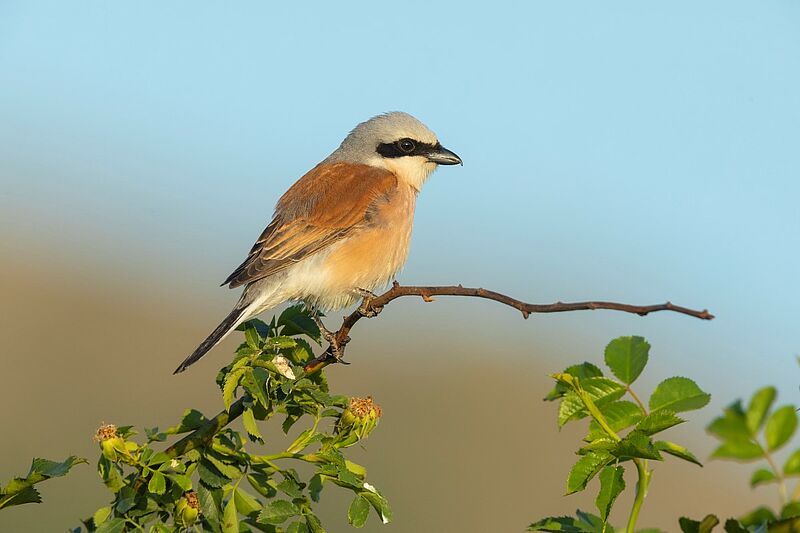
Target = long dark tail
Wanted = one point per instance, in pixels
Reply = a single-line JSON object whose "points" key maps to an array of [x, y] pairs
{"points": [[230, 322]]}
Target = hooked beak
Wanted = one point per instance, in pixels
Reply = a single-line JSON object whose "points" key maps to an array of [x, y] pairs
{"points": [[442, 156]]}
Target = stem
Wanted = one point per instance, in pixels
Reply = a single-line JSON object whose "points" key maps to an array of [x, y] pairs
{"points": [[308, 458], [782, 490], [598, 416], [641, 493], [636, 399]]}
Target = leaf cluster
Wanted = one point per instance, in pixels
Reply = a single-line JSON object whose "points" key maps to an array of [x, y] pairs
{"points": [[211, 481], [21, 490], [622, 429], [742, 525], [755, 433]]}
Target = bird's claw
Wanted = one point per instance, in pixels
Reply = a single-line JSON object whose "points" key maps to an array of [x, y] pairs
{"points": [[336, 348], [366, 309]]}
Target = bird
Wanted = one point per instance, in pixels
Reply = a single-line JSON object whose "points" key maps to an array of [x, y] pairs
{"points": [[342, 230]]}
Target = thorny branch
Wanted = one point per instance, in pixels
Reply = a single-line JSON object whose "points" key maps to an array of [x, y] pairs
{"points": [[372, 306]]}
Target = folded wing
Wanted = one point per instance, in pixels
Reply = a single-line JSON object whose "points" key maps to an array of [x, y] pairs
{"points": [[321, 208]]}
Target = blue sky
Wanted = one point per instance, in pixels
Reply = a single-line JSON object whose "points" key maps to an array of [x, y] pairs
{"points": [[625, 151]]}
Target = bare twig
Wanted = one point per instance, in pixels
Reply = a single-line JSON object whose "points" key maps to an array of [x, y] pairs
{"points": [[372, 306], [426, 293]]}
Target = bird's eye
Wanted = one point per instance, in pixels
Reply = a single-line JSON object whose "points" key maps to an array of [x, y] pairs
{"points": [[406, 145]]}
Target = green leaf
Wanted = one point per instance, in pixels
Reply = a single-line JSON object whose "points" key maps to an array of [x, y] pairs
{"points": [[110, 474], [229, 389], [792, 465], [762, 476], [676, 450], [733, 526], [358, 511], [192, 419], [302, 352], [732, 425], [50, 469], [157, 484], [581, 371], [249, 422], [592, 520], [263, 330], [612, 484], [781, 425], [758, 516], [254, 387], [20, 490], [229, 471], [230, 520], [115, 525], [627, 357], [290, 487], [280, 343], [346, 476], [157, 458], [313, 523], [356, 468], [245, 503], [620, 415], [210, 476], [378, 503], [585, 469], [601, 390], [126, 499], [693, 526], [297, 527], [210, 503], [658, 421], [759, 405], [742, 450], [251, 336], [278, 512], [603, 443], [637, 444], [20, 495], [315, 487], [181, 480], [678, 394], [790, 510], [296, 320], [101, 515], [262, 484], [565, 524], [571, 408], [301, 441]]}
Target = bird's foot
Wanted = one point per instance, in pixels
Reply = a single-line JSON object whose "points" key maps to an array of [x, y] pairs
{"points": [[366, 308], [336, 348]]}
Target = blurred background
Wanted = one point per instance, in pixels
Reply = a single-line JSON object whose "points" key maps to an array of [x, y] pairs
{"points": [[627, 151]]}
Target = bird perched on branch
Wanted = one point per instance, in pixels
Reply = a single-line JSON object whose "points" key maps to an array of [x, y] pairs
{"points": [[342, 229]]}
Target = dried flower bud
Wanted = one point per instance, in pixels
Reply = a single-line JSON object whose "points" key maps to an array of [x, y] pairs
{"points": [[358, 420], [187, 509], [110, 441]]}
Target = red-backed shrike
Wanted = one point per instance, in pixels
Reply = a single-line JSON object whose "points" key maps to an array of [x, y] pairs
{"points": [[343, 228]]}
